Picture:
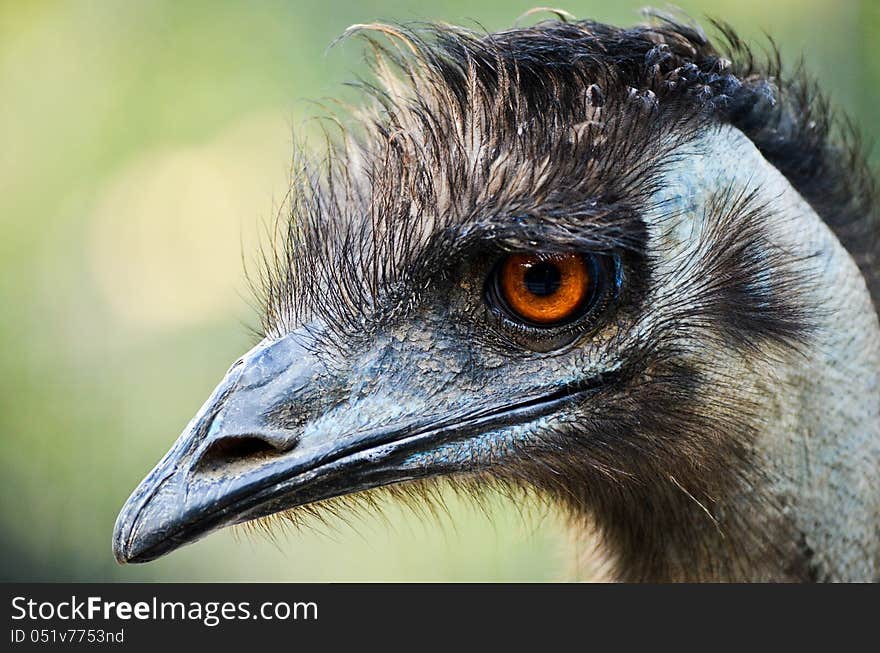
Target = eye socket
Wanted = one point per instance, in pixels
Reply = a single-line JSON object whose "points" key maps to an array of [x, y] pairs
{"points": [[547, 290]]}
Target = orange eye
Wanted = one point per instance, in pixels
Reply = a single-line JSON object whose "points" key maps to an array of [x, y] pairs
{"points": [[546, 289]]}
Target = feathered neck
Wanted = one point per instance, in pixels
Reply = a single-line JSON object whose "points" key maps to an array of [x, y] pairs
{"points": [[805, 503]]}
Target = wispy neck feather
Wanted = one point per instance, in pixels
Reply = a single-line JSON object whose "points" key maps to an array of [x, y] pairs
{"points": [[803, 503]]}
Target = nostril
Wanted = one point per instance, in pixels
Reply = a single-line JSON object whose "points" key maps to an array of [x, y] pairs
{"points": [[242, 447], [228, 453]]}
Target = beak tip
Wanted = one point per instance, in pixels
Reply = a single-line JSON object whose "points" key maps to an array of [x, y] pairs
{"points": [[149, 526], [126, 549], [129, 544], [121, 538]]}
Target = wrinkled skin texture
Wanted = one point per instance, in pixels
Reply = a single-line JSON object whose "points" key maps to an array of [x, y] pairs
{"points": [[718, 420]]}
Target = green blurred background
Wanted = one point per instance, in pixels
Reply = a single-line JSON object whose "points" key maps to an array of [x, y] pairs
{"points": [[142, 144]]}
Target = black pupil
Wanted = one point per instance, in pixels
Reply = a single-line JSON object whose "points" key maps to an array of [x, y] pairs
{"points": [[543, 279]]}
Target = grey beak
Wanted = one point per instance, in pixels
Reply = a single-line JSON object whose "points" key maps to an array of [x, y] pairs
{"points": [[228, 451], [280, 431], [265, 441]]}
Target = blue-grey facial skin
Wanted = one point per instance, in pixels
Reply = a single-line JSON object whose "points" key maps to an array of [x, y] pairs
{"points": [[438, 384], [298, 420]]}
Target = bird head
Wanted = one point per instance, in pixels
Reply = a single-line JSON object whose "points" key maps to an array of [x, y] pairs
{"points": [[554, 258]]}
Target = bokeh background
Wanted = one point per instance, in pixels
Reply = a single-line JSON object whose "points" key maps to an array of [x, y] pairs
{"points": [[142, 145]]}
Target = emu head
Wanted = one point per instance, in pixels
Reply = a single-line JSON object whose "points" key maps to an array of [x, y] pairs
{"points": [[590, 261]]}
